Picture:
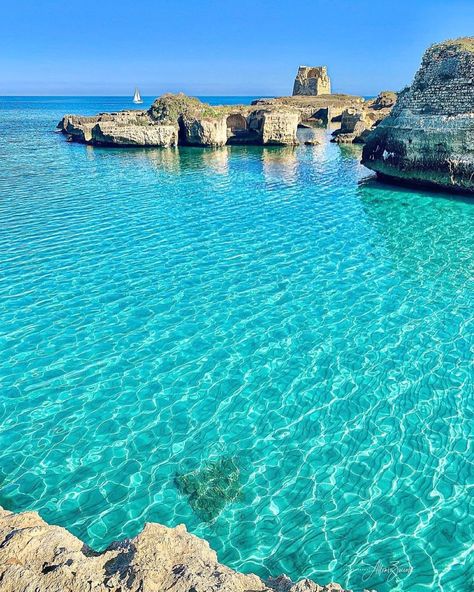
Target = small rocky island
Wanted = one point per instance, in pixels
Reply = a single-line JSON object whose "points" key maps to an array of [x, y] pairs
{"points": [[428, 139], [179, 120], [175, 120]]}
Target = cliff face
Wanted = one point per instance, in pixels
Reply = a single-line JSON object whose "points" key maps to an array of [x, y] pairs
{"points": [[429, 137], [275, 126], [125, 128], [37, 557], [312, 81]]}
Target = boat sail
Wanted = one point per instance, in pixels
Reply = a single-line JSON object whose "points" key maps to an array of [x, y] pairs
{"points": [[136, 97]]}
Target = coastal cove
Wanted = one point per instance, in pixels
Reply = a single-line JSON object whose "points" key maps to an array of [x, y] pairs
{"points": [[268, 317]]}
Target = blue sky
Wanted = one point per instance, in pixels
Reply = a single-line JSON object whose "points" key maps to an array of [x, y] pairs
{"points": [[210, 47]]}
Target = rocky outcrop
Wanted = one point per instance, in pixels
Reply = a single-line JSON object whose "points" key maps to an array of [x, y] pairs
{"points": [[428, 138], [322, 109], [37, 557], [312, 81], [205, 132], [275, 126], [358, 122], [180, 120], [353, 125], [110, 133], [384, 100], [199, 124], [171, 120], [124, 128]]}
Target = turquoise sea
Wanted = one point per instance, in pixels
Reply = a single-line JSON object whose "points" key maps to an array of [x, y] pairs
{"points": [[262, 343]]}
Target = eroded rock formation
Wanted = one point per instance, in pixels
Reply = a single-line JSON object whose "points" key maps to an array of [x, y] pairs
{"points": [[428, 138], [175, 120], [181, 120], [37, 557], [312, 81], [124, 128], [322, 109], [357, 122], [275, 125]]}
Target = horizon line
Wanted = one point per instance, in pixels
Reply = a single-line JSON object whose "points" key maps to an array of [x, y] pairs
{"points": [[127, 95]]}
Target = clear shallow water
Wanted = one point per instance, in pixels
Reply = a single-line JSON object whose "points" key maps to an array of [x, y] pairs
{"points": [[161, 309]]}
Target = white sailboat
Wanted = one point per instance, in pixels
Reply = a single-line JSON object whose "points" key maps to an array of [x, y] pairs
{"points": [[136, 97]]}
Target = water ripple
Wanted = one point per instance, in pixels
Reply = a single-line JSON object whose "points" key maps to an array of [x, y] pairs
{"points": [[162, 310]]}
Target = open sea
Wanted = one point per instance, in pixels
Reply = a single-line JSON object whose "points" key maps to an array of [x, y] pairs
{"points": [[264, 344]]}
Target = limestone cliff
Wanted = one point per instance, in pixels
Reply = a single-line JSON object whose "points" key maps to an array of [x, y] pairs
{"points": [[275, 126], [124, 128], [312, 80], [37, 557], [429, 137]]}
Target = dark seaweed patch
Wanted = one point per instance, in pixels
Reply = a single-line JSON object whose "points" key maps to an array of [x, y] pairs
{"points": [[210, 488]]}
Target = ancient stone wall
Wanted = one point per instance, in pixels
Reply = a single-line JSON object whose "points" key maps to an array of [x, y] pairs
{"points": [[443, 85], [312, 81]]}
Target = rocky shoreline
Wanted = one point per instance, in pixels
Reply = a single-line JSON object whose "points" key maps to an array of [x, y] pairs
{"points": [[38, 557]]}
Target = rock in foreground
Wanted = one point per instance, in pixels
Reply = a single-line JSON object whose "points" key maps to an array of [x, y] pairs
{"points": [[429, 137], [37, 557]]}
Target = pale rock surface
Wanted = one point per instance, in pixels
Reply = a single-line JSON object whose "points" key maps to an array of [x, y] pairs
{"points": [[323, 108], [37, 557], [357, 122], [124, 128], [278, 126], [353, 123], [112, 133], [205, 132], [176, 119]]}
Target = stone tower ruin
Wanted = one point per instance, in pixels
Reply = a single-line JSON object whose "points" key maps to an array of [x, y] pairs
{"points": [[312, 81]]}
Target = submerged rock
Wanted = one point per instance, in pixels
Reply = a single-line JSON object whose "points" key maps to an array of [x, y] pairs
{"points": [[37, 557], [429, 137], [211, 488]]}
